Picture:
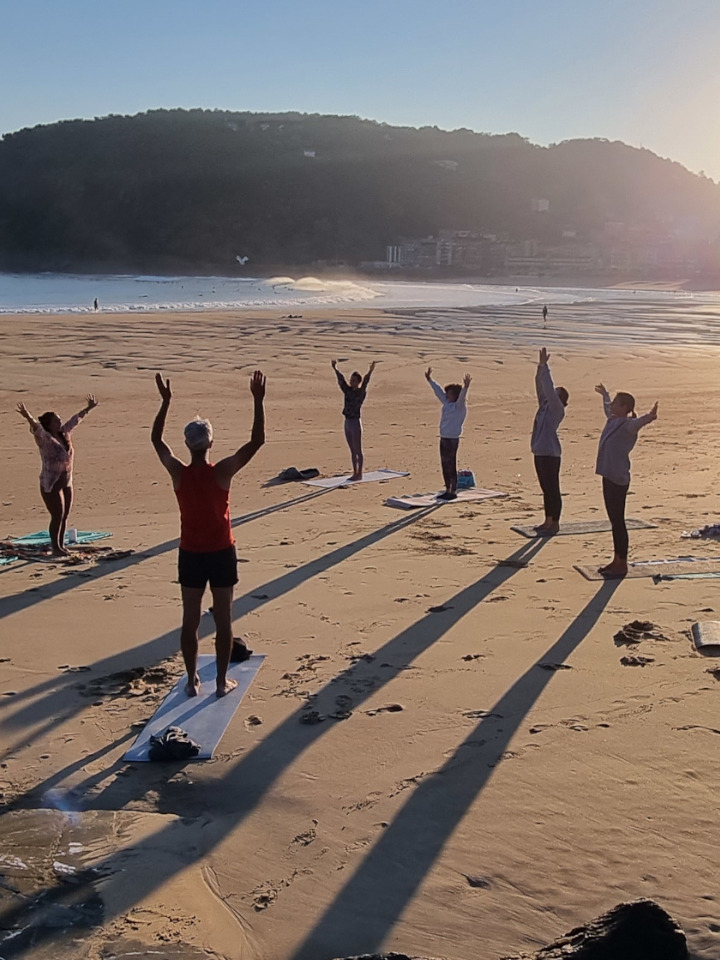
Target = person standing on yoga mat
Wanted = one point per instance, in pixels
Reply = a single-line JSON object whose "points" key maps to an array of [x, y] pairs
{"points": [[613, 464], [53, 438], [545, 445], [454, 411], [207, 546], [355, 393]]}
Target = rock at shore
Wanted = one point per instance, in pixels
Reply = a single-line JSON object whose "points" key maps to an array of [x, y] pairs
{"points": [[640, 930]]}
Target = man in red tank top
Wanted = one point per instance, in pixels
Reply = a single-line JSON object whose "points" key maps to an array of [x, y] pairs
{"points": [[207, 547]]}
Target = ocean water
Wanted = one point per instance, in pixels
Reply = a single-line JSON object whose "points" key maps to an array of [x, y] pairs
{"points": [[66, 293], [610, 315]]}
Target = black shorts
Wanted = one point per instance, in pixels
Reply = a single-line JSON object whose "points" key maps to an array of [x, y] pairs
{"points": [[218, 567]]}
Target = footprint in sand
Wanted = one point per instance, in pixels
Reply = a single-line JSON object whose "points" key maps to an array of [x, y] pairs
{"points": [[636, 631], [146, 682], [262, 899], [388, 708], [539, 727], [307, 836], [311, 718], [478, 882], [636, 660]]}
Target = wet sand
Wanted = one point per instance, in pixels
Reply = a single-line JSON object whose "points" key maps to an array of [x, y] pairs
{"points": [[508, 799]]}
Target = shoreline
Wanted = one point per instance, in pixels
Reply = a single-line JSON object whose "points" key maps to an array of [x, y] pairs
{"points": [[636, 321], [66, 295]]}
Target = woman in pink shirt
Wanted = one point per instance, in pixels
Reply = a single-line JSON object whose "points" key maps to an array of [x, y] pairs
{"points": [[56, 451]]}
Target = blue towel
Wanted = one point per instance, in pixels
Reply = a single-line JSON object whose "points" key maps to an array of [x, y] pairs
{"points": [[42, 538]]}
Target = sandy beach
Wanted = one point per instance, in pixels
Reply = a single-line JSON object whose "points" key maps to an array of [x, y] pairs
{"points": [[503, 775]]}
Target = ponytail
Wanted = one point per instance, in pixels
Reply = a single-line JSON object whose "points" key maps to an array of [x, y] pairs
{"points": [[628, 401]]}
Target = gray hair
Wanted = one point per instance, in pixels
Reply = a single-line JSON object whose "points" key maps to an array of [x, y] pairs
{"points": [[198, 434]]}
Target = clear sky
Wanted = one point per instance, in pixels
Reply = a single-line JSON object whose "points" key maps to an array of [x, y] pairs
{"points": [[643, 71]]}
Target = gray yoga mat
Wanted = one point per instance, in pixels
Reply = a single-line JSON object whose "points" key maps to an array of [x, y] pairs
{"points": [[204, 718], [583, 526], [663, 568]]}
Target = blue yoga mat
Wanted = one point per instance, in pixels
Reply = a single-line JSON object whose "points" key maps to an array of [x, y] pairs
{"points": [[42, 538]]}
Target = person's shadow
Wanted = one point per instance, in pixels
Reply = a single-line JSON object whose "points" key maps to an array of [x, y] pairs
{"points": [[369, 905]]}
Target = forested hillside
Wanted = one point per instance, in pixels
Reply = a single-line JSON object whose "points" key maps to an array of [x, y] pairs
{"points": [[191, 190]]}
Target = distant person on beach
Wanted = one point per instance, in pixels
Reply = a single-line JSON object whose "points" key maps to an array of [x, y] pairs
{"points": [[613, 464], [95, 304], [545, 445], [207, 547], [355, 393], [454, 411], [545, 313], [53, 438]]}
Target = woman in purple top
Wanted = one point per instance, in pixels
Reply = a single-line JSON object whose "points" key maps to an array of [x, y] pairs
{"points": [[613, 464], [355, 393], [56, 452]]}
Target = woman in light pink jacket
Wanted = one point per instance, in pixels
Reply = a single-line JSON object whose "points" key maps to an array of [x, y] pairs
{"points": [[53, 438]]}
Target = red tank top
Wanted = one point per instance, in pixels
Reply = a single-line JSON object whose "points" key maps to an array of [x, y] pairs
{"points": [[204, 510]]}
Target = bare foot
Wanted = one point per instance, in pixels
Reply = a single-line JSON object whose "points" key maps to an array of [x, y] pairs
{"points": [[225, 688], [192, 687], [547, 530]]}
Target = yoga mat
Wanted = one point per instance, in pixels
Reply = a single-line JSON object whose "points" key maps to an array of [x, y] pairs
{"points": [[367, 478], [414, 500], [664, 568], [686, 576], [204, 718], [706, 634], [42, 538], [583, 526]]}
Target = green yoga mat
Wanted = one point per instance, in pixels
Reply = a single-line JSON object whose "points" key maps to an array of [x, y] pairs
{"points": [[42, 538]]}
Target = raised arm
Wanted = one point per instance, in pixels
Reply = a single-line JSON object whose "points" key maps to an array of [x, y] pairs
{"points": [[342, 382], [165, 454], [542, 369], [545, 386], [467, 380], [366, 378], [637, 423], [81, 414], [24, 412], [227, 468], [602, 390], [436, 388]]}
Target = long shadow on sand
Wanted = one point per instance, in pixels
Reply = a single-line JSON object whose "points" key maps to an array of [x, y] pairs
{"points": [[240, 791], [54, 704], [17, 602], [372, 901]]}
